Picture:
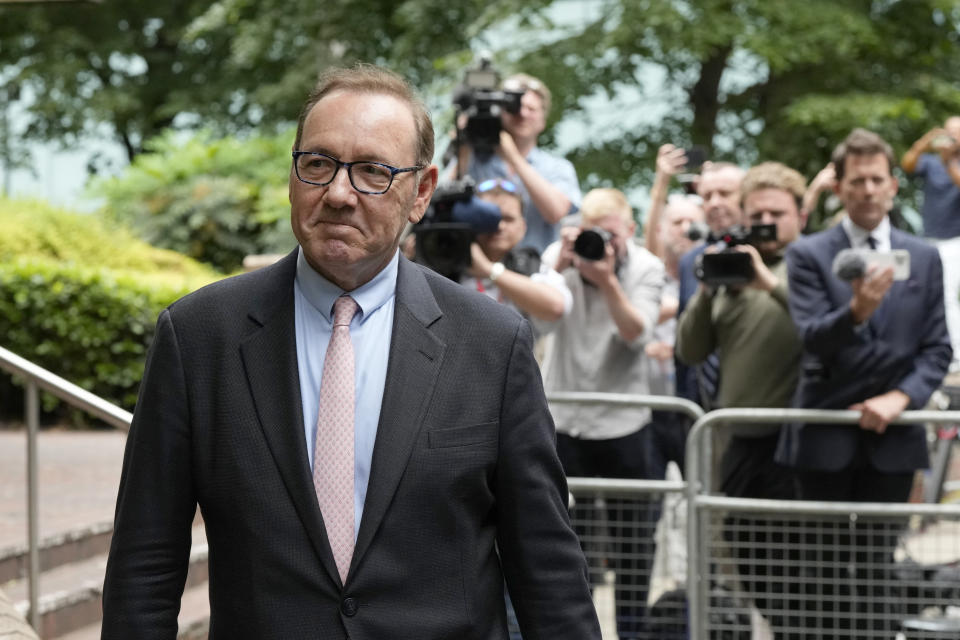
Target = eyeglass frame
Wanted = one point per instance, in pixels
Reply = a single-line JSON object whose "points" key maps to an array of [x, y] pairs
{"points": [[349, 165]]}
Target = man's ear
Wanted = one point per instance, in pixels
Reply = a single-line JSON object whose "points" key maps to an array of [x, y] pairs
{"points": [[425, 188]]}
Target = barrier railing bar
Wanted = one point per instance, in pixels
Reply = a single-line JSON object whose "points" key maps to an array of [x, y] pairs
{"points": [[663, 403], [66, 390], [754, 505], [620, 486], [32, 408], [696, 590], [36, 378]]}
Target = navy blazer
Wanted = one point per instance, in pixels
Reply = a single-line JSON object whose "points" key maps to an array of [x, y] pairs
{"points": [[465, 491], [904, 345]]}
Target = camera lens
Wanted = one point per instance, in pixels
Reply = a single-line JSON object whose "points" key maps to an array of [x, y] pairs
{"points": [[590, 244]]}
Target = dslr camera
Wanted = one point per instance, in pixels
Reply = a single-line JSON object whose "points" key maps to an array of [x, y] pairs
{"points": [[728, 266], [479, 97], [591, 244]]}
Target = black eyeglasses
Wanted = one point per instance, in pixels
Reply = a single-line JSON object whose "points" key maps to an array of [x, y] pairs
{"points": [[373, 178]]}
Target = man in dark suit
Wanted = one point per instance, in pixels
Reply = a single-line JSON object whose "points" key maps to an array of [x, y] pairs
{"points": [[452, 480], [873, 345]]}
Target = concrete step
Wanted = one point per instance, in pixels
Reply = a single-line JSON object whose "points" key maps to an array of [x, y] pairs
{"points": [[57, 550], [70, 594], [194, 618]]}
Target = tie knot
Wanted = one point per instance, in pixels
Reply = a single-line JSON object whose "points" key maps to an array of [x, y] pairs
{"points": [[872, 242], [343, 311]]}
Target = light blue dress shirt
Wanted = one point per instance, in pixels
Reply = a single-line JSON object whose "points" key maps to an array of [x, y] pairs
{"points": [[370, 333], [557, 170]]}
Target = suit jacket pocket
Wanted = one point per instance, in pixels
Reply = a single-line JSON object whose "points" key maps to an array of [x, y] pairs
{"points": [[475, 434]]}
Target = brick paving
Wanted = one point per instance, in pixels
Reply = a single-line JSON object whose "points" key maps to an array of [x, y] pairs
{"points": [[79, 474]]}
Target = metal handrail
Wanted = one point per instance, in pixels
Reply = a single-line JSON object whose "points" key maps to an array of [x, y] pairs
{"points": [[65, 390], [36, 378], [662, 403], [695, 465]]}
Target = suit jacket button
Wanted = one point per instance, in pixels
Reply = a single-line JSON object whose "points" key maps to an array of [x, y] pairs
{"points": [[349, 607]]}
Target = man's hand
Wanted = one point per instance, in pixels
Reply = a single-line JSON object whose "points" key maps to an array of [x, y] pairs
{"points": [[879, 411], [480, 264], [568, 235], [507, 149], [949, 152], [868, 292], [671, 160], [602, 272], [926, 142], [660, 351], [763, 278]]}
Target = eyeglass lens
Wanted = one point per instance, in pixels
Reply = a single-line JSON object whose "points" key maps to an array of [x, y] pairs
{"points": [[365, 176]]}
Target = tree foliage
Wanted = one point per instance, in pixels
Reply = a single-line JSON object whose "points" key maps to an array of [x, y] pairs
{"points": [[750, 79], [213, 199], [753, 79]]}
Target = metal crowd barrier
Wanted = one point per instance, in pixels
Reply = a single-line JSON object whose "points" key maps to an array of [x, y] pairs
{"points": [[803, 569], [36, 378], [616, 520]]}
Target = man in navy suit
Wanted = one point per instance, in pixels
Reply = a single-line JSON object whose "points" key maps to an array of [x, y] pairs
{"points": [[452, 483], [873, 345]]}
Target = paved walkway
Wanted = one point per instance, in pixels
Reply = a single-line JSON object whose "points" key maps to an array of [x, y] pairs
{"points": [[79, 475]]}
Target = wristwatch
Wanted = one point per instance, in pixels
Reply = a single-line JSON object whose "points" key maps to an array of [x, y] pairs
{"points": [[495, 270]]}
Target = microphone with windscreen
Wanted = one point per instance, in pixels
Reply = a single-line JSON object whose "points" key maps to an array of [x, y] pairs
{"points": [[850, 264]]}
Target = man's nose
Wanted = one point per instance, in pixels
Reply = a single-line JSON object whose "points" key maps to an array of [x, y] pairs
{"points": [[340, 191]]}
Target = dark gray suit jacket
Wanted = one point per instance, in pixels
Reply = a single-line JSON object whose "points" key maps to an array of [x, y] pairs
{"points": [[904, 345], [465, 487]]}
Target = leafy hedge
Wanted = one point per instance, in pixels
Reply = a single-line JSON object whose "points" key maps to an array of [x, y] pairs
{"points": [[215, 200], [81, 299]]}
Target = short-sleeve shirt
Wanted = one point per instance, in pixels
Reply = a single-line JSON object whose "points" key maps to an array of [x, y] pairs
{"points": [[556, 170], [941, 199]]}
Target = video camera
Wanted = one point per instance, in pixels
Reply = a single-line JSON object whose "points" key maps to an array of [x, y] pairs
{"points": [[448, 227], [480, 99], [728, 266]]}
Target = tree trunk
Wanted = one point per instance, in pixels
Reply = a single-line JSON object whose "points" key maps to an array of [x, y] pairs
{"points": [[704, 97]]}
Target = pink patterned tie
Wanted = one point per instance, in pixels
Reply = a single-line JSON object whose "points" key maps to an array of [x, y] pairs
{"points": [[333, 456]]}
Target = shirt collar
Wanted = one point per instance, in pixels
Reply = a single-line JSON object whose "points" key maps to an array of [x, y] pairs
{"points": [[858, 235], [321, 293]]}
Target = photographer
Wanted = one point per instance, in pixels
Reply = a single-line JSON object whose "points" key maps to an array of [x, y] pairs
{"points": [[935, 158], [749, 326], [497, 267], [750, 329], [549, 183], [598, 346], [719, 188]]}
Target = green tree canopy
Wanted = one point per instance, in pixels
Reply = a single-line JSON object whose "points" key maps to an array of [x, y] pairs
{"points": [[750, 79]]}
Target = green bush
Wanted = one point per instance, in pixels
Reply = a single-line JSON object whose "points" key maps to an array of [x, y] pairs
{"points": [[89, 326], [215, 200], [35, 229], [81, 299]]}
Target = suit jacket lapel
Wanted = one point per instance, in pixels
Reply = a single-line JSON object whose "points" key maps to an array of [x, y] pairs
{"points": [[270, 361], [412, 370]]}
